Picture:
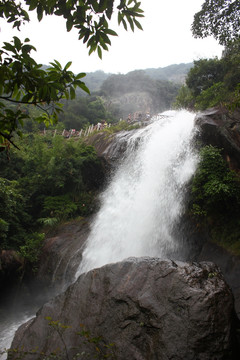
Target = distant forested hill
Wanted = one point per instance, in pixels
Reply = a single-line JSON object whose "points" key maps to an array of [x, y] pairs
{"points": [[115, 96], [175, 73], [137, 92], [94, 80]]}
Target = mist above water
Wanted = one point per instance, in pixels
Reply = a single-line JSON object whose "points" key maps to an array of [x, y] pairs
{"points": [[145, 197]]}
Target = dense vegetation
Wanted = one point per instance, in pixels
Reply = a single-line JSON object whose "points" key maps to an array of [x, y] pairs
{"points": [[213, 82], [215, 201], [48, 181], [219, 19], [84, 111]]}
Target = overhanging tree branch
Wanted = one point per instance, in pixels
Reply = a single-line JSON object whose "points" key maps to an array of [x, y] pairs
{"points": [[26, 81]]}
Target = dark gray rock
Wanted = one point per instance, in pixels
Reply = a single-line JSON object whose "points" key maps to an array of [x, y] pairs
{"points": [[147, 307], [221, 128], [61, 254], [111, 148], [229, 265]]}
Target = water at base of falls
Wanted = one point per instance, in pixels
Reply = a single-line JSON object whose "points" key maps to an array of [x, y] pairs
{"points": [[145, 196]]}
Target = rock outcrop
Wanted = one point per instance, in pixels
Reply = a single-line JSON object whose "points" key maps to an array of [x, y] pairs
{"points": [[62, 254], [229, 265], [110, 147], [221, 128], [138, 309]]}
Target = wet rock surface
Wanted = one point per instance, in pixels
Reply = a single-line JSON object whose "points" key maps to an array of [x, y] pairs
{"points": [[146, 307], [110, 147], [62, 254], [221, 128], [229, 265]]}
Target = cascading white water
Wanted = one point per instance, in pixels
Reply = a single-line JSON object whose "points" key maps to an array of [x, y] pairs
{"points": [[145, 196]]}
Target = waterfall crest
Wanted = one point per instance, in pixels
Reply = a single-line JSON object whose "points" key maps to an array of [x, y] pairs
{"points": [[144, 198]]}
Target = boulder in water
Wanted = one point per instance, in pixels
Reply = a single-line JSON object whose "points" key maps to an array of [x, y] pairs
{"points": [[140, 308]]}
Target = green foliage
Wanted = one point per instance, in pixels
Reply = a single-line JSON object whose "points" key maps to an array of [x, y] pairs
{"points": [[218, 18], [60, 207], [216, 197], [51, 179], [13, 215], [30, 251], [213, 82], [216, 95], [215, 187], [204, 74], [23, 81], [184, 98], [83, 111]]}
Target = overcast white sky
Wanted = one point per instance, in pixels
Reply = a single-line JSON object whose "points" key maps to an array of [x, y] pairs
{"points": [[166, 40]]}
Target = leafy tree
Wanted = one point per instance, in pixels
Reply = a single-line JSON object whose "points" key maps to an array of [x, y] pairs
{"points": [[231, 60], [83, 111], [23, 81], [14, 219], [215, 200], [204, 74], [213, 82], [216, 189], [221, 19], [184, 98], [49, 180], [218, 18]]}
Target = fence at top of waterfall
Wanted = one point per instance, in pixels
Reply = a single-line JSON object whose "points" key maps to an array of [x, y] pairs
{"points": [[138, 117]]}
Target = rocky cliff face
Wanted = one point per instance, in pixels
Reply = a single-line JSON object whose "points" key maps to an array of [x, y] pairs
{"points": [[110, 147], [146, 308], [221, 128]]}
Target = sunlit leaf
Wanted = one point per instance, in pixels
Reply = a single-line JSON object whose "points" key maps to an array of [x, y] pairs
{"points": [[99, 50], [68, 65]]}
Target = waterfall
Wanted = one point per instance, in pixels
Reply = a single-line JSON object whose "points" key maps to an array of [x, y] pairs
{"points": [[142, 203], [145, 196]]}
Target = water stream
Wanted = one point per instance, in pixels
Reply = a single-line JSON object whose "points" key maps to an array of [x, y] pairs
{"points": [[143, 201], [145, 197]]}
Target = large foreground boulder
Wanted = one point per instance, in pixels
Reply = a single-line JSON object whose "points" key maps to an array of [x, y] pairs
{"points": [[141, 308]]}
